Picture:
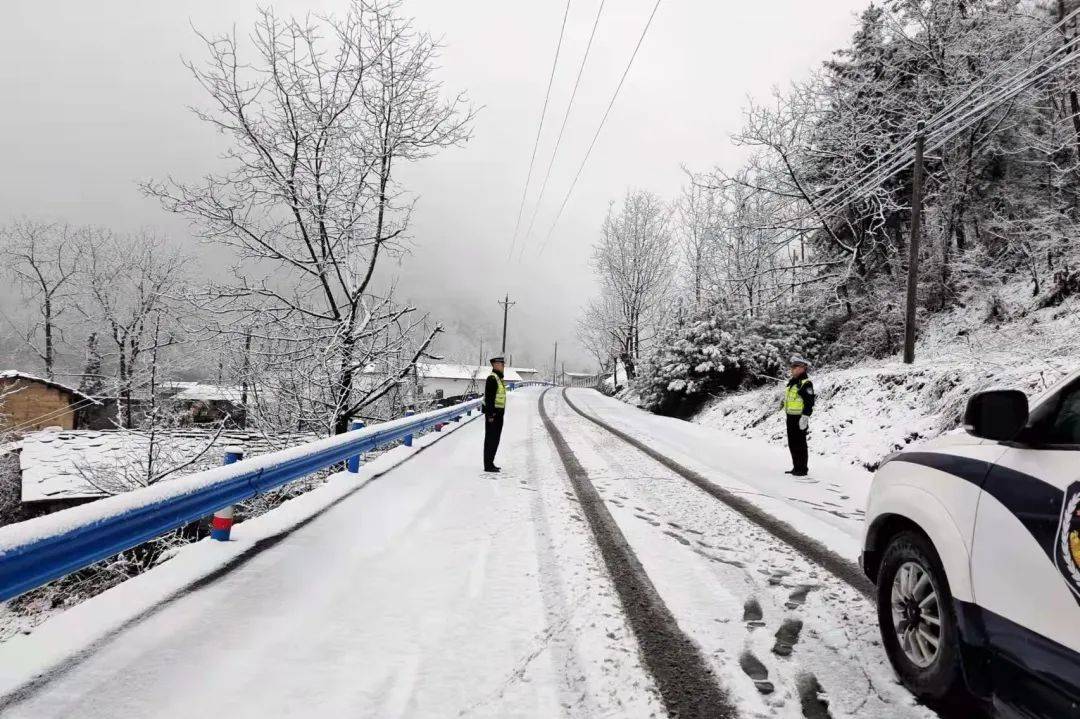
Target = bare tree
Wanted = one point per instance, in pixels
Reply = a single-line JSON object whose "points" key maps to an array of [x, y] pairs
{"points": [[634, 265], [320, 121], [45, 260], [132, 283], [699, 214]]}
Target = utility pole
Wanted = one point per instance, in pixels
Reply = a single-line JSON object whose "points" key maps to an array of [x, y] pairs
{"points": [[913, 249], [555, 363], [507, 304]]}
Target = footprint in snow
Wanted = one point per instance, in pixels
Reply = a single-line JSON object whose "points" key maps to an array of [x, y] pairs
{"points": [[678, 538], [812, 699], [798, 597], [754, 669], [787, 636], [753, 614]]}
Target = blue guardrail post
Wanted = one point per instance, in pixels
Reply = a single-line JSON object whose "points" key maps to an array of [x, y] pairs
{"points": [[353, 463], [408, 437], [221, 524]]}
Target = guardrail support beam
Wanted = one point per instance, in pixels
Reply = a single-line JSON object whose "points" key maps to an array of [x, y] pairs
{"points": [[353, 463], [221, 524], [408, 437]]}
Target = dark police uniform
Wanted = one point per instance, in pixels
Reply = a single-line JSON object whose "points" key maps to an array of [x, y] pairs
{"points": [[798, 403], [494, 411]]}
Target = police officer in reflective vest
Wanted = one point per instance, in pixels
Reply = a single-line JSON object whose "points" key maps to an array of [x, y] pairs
{"points": [[494, 410], [798, 406]]}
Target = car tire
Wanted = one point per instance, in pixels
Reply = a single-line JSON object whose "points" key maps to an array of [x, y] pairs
{"points": [[938, 679]]}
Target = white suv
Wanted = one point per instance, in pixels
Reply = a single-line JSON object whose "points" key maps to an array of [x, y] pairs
{"points": [[974, 544]]}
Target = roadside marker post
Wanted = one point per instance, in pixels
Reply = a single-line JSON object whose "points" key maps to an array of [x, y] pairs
{"points": [[353, 463], [221, 524]]}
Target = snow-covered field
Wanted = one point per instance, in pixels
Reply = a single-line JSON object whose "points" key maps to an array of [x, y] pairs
{"points": [[867, 411]]}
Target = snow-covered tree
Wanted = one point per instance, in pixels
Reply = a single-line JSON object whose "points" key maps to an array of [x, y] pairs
{"points": [[321, 115], [634, 263], [45, 261]]}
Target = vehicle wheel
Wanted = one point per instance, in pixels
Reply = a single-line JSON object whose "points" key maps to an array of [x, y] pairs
{"points": [[917, 620]]}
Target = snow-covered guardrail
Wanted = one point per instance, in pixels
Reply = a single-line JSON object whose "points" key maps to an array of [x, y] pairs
{"points": [[39, 550]]}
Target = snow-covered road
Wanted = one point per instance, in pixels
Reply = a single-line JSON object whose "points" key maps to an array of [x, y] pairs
{"points": [[435, 590], [785, 637]]}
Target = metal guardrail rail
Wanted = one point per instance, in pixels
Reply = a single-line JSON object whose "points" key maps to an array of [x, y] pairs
{"points": [[40, 550]]}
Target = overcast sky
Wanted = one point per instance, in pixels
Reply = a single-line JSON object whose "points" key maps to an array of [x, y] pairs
{"points": [[94, 98]]}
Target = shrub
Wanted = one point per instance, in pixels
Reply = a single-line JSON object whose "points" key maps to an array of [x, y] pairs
{"points": [[714, 352]]}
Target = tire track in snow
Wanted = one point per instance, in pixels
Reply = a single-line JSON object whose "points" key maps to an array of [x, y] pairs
{"points": [[687, 685], [843, 569], [771, 581]]}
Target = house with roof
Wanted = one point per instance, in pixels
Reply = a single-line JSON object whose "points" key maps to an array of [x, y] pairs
{"points": [[442, 381], [527, 374], [29, 403]]}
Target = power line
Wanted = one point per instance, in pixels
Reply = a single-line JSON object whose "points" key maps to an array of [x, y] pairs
{"points": [[540, 127], [600, 127], [562, 128], [948, 122]]}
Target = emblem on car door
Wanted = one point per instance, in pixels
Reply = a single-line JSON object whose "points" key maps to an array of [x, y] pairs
{"points": [[1068, 554]]}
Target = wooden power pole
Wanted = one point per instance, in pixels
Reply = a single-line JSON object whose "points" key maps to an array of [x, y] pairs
{"points": [[555, 364], [913, 249]]}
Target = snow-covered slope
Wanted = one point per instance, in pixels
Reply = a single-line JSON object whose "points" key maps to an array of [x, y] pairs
{"points": [[870, 409]]}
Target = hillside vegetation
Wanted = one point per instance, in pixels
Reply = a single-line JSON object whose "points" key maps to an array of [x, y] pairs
{"points": [[868, 409], [806, 248]]}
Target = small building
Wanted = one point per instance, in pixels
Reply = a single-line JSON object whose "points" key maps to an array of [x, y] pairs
{"points": [[204, 403], [582, 379], [442, 381], [29, 403], [527, 374]]}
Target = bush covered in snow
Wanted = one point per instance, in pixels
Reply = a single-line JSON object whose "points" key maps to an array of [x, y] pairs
{"points": [[714, 351]]}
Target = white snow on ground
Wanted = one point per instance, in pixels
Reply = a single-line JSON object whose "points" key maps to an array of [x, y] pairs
{"points": [[707, 562], [436, 590], [17, 535], [827, 506], [870, 410], [73, 464]]}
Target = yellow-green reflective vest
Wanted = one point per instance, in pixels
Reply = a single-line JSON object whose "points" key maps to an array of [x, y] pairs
{"points": [[500, 392], [793, 401]]}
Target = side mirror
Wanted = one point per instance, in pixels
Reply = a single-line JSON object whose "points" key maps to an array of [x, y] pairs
{"points": [[999, 415]]}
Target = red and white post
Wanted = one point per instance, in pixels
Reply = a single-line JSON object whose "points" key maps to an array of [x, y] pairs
{"points": [[221, 524]]}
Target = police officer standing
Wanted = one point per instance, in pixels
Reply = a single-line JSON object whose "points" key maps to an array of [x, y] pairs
{"points": [[798, 406], [494, 411]]}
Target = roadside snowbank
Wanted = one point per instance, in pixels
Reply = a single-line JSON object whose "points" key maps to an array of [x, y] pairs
{"points": [[865, 412]]}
